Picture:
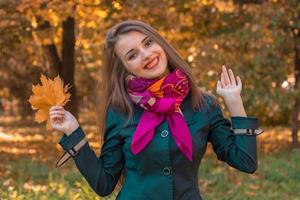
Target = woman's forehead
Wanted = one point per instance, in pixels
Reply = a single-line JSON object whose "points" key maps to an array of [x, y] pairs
{"points": [[129, 40]]}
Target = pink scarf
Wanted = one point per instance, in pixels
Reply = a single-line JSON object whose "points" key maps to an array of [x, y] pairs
{"points": [[160, 98]]}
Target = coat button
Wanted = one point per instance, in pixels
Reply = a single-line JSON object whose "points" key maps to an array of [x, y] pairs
{"points": [[167, 170], [164, 133]]}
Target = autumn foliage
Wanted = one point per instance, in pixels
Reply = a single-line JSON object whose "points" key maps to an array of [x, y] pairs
{"points": [[50, 93]]}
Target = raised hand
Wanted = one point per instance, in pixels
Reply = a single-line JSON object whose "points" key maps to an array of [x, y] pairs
{"points": [[229, 87]]}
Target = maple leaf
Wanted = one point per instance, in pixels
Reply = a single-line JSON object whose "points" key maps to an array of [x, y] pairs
{"points": [[50, 93]]}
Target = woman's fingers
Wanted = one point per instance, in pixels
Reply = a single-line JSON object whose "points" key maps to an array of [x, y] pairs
{"points": [[219, 84], [239, 81], [225, 75], [57, 119], [228, 78], [222, 80], [54, 108], [57, 112], [56, 116], [232, 78]]}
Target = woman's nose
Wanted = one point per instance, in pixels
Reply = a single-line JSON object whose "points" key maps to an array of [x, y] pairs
{"points": [[146, 54]]}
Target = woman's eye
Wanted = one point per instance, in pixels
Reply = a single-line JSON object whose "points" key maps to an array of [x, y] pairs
{"points": [[149, 42], [131, 56]]}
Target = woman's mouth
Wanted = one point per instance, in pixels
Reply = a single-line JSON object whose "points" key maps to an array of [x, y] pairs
{"points": [[152, 63]]}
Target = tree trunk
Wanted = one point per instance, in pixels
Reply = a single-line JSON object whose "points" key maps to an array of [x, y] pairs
{"points": [[68, 62], [65, 66], [53, 58]]}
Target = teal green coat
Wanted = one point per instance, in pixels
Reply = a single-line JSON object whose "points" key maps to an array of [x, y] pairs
{"points": [[161, 171]]}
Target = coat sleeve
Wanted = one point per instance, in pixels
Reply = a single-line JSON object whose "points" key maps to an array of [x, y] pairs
{"points": [[102, 173], [239, 151]]}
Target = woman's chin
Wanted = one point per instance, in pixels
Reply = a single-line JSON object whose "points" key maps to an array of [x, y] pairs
{"points": [[159, 73]]}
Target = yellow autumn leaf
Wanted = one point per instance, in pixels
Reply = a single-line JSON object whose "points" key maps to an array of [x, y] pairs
{"points": [[50, 93]]}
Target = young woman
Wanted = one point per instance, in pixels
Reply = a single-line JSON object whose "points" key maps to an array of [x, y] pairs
{"points": [[157, 122]]}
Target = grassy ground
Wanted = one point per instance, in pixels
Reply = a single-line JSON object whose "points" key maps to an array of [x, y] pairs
{"points": [[278, 177], [28, 154]]}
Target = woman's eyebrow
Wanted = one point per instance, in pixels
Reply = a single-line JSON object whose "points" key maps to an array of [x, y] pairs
{"points": [[141, 42]]}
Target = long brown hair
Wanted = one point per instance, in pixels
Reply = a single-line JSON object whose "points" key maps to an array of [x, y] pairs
{"points": [[114, 73]]}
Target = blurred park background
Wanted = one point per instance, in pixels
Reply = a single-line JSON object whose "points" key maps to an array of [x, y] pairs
{"points": [[258, 39]]}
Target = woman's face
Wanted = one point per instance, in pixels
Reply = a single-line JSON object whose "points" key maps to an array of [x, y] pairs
{"points": [[141, 55]]}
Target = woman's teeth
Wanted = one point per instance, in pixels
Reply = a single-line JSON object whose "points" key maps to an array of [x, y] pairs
{"points": [[153, 63]]}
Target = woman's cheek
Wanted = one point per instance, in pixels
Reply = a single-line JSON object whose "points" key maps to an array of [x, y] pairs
{"points": [[134, 67], [138, 65]]}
